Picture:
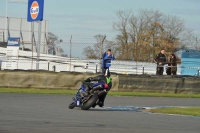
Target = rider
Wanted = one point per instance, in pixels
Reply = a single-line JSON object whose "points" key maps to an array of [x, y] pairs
{"points": [[97, 82]]}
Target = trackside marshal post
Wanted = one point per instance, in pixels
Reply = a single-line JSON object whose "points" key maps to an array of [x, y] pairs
{"points": [[35, 13]]}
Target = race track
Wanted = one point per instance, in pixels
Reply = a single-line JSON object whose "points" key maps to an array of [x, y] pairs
{"points": [[39, 113]]}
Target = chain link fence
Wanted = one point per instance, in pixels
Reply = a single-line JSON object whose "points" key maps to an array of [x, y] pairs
{"points": [[78, 55], [75, 60], [27, 31]]}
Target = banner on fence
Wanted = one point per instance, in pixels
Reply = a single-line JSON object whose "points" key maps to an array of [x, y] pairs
{"points": [[12, 52]]}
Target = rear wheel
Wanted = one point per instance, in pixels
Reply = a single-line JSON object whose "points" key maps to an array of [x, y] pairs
{"points": [[94, 105], [92, 101]]}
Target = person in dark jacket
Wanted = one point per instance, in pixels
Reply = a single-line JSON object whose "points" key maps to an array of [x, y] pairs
{"points": [[106, 62], [161, 61], [173, 64]]}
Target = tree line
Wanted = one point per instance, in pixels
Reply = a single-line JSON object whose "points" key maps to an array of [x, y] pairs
{"points": [[141, 35]]}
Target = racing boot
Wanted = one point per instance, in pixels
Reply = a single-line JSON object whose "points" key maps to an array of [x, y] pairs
{"points": [[101, 100], [100, 103]]}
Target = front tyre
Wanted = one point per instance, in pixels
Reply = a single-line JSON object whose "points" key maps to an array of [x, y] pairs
{"points": [[87, 105], [71, 105]]}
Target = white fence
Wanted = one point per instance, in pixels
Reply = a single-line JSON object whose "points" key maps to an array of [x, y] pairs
{"points": [[27, 61]]}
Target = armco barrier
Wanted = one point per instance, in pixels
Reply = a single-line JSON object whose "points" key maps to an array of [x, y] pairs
{"points": [[171, 84], [45, 79], [72, 81]]}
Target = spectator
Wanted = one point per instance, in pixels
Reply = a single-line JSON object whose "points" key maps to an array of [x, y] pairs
{"points": [[168, 69], [106, 62], [161, 61], [173, 64]]}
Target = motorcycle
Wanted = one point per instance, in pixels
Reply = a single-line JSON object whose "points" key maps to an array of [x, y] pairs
{"points": [[91, 100]]}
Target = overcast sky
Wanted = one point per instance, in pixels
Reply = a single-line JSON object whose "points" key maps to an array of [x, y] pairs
{"points": [[84, 19]]}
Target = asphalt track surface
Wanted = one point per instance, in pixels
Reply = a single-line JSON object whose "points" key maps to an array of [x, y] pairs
{"points": [[39, 113]]}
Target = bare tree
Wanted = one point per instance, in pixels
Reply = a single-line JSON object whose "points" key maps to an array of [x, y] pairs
{"points": [[89, 52], [98, 48], [51, 42], [191, 41], [122, 27], [143, 33]]}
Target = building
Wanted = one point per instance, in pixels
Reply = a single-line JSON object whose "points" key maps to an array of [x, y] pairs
{"points": [[27, 31], [190, 62]]}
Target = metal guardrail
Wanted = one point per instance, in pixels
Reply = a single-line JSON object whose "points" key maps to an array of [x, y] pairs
{"points": [[27, 60]]}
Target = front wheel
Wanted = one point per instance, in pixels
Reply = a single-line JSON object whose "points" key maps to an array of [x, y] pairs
{"points": [[71, 105], [87, 105]]}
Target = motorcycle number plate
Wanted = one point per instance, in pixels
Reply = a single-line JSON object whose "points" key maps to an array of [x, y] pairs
{"points": [[78, 103]]}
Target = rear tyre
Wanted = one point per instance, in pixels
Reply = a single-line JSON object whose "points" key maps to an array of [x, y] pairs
{"points": [[92, 101], [94, 105]]}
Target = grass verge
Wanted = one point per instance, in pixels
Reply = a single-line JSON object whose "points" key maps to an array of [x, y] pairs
{"points": [[36, 91], [72, 92], [150, 94], [193, 111]]}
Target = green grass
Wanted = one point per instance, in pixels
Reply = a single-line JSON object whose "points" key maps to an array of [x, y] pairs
{"points": [[150, 94], [69, 92], [193, 111], [36, 91]]}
